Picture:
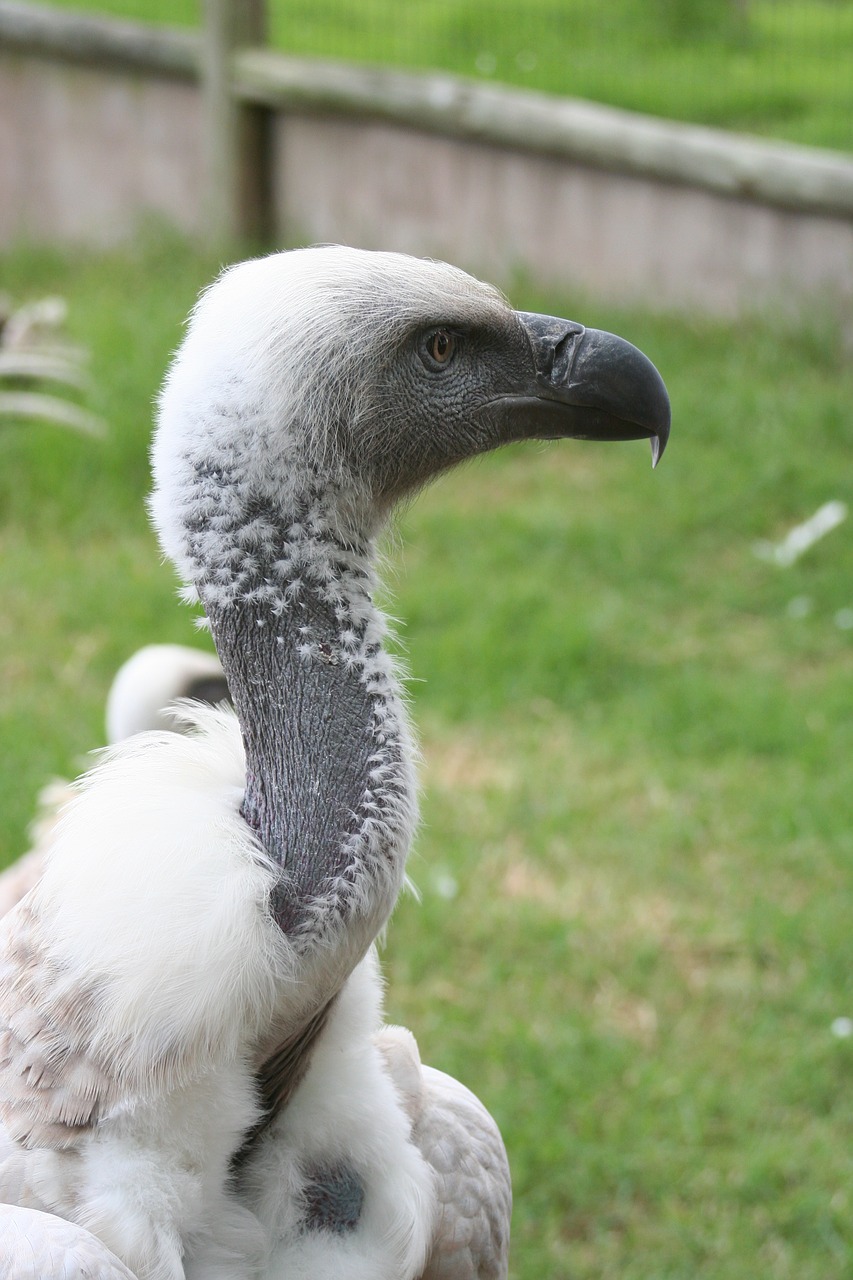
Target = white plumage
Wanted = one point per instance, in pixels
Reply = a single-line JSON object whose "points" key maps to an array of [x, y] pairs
{"points": [[124, 1087], [40, 1246], [192, 1062], [143, 695]]}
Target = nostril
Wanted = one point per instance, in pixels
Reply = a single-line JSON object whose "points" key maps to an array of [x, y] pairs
{"points": [[554, 344], [560, 346], [563, 355]]}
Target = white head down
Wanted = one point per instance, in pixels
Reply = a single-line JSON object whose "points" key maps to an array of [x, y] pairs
{"points": [[362, 375]]}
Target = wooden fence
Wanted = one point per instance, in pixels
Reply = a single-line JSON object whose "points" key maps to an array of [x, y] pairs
{"points": [[104, 121]]}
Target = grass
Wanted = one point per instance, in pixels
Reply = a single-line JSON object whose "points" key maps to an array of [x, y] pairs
{"points": [[774, 67], [635, 863]]}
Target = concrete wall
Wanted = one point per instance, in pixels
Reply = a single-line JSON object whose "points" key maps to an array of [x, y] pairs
{"points": [[498, 210], [102, 124]]}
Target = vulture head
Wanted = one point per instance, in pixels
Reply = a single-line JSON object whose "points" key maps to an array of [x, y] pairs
{"points": [[363, 375], [313, 390]]}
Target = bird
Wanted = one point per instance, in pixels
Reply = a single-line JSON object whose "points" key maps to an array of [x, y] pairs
{"points": [[146, 693], [149, 687], [192, 1059]]}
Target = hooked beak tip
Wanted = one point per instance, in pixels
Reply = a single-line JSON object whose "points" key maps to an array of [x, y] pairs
{"points": [[658, 444]]}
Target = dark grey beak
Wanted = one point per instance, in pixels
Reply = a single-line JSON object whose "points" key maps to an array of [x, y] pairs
{"points": [[588, 385]]}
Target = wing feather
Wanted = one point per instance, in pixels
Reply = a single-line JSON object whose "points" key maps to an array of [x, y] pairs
{"points": [[462, 1144], [51, 1088], [459, 1139]]}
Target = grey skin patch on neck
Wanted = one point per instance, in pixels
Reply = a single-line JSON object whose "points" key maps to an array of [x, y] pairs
{"points": [[309, 742], [333, 1198]]}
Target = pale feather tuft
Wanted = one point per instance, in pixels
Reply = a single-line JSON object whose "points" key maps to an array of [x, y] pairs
{"points": [[155, 894]]}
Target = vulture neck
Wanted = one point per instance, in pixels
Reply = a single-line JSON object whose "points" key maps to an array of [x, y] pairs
{"points": [[329, 785]]}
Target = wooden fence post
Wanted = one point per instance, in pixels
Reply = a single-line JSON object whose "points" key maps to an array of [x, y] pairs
{"points": [[238, 204]]}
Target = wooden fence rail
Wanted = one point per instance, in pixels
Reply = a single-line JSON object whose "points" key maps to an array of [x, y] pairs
{"points": [[244, 141]]}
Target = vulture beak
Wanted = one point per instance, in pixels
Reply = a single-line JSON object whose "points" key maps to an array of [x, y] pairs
{"points": [[588, 385]]}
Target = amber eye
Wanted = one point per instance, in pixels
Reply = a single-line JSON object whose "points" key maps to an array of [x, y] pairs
{"points": [[440, 346]]}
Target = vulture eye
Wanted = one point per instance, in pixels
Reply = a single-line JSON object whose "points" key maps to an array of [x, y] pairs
{"points": [[440, 347]]}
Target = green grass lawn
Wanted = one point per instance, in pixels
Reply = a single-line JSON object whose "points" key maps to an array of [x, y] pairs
{"points": [[635, 862], [775, 67]]}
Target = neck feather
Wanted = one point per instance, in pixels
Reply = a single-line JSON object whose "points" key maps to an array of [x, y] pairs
{"points": [[329, 781]]}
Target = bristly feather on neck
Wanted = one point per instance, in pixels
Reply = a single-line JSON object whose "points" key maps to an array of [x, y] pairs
{"points": [[330, 784]]}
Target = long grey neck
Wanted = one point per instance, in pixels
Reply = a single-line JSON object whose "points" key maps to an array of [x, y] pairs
{"points": [[329, 784]]}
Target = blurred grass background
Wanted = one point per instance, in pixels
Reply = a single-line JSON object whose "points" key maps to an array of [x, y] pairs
{"points": [[775, 67], [634, 936]]}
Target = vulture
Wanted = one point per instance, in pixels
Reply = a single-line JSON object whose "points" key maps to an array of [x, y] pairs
{"points": [[193, 1065], [148, 686]]}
